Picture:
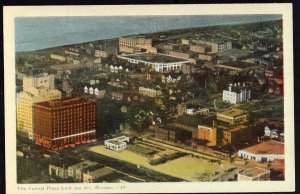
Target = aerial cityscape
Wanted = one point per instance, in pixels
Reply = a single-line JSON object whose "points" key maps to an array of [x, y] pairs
{"points": [[193, 102]]}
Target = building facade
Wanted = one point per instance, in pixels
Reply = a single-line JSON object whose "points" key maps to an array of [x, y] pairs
{"points": [[136, 44], [264, 151], [160, 63], [149, 92], [117, 144], [76, 171], [236, 135], [36, 89], [207, 133], [64, 123]]}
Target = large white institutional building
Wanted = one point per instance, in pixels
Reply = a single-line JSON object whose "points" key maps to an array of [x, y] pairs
{"points": [[159, 62], [236, 94]]}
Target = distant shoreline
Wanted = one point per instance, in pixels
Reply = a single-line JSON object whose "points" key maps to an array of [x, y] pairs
{"points": [[178, 30]]}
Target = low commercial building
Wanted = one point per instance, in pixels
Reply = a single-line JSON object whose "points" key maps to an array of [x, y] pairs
{"points": [[60, 124], [236, 136], [264, 151], [236, 94], [76, 171], [202, 111], [59, 166], [94, 176], [232, 116], [117, 144], [254, 174]]}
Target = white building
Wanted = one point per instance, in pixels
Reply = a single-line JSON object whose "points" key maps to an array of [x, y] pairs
{"points": [[85, 89], [264, 152], [91, 90], [272, 133], [112, 68], [161, 62], [236, 94], [117, 144], [202, 111], [96, 92], [267, 131], [191, 111]]}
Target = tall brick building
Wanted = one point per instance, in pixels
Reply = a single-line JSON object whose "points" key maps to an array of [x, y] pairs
{"points": [[64, 123]]}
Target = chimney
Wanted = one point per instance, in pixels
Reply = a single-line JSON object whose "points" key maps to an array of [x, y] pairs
{"points": [[230, 85]]}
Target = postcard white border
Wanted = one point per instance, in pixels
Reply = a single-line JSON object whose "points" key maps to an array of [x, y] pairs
{"points": [[204, 9]]}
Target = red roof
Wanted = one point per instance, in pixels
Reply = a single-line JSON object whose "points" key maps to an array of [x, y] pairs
{"points": [[268, 147]]}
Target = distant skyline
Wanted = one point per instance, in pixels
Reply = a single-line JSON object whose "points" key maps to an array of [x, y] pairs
{"points": [[36, 33]]}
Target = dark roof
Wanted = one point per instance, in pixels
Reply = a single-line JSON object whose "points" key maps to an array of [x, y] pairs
{"points": [[153, 58]]}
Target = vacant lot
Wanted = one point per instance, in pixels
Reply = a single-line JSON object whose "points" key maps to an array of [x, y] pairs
{"points": [[187, 168]]}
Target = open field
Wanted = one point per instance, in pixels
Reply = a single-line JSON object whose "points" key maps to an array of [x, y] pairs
{"points": [[188, 168]]}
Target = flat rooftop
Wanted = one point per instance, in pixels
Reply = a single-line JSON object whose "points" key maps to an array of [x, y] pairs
{"points": [[239, 64], [155, 58], [253, 172], [232, 129], [268, 147], [101, 172], [233, 112], [63, 102], [83, 164]]}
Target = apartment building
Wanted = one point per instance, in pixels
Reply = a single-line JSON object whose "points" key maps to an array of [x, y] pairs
{"points": [[36, 89], [60, 124]]}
